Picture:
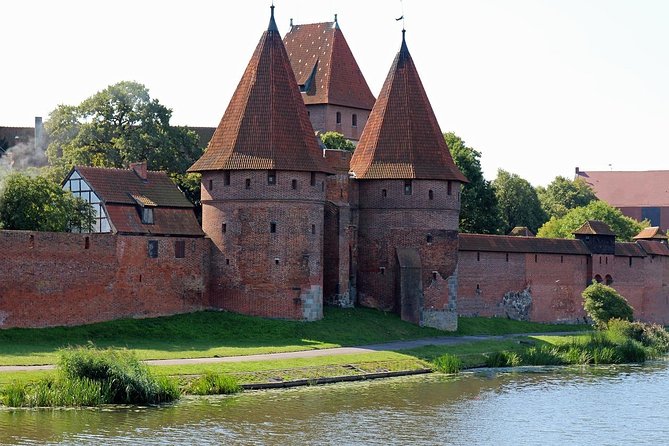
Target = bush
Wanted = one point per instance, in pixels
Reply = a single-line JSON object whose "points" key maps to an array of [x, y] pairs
{"points": [[503, 359], [214, 384], [448, 364], [602, 303]]}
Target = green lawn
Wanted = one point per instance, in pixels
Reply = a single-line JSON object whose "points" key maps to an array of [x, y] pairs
{"points": [[214, 333]]}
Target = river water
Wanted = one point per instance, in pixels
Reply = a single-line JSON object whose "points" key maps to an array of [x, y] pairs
{"points": [[533, 406]]}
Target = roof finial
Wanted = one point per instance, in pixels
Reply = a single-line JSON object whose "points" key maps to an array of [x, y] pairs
{"points": [[291, 23], [336, 23], [401, 18], [272, 24]]}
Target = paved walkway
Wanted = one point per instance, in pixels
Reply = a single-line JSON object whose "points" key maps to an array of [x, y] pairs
{"points": [[389, 346]]}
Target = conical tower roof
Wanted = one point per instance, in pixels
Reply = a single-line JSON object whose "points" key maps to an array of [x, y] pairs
{"points": [[402, 139], [265, 126]]}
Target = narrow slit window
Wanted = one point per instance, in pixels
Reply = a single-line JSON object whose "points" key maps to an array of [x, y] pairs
{"points": [[384, 193], [408, 189], [87, 242], [179, 249], [271, 177], [313, 229], [248, 183], [224, 228], [478, 256], [313, 178], [354, 120], [428, 238], [430, 195], [211, 184], [293, 184], [338, 117], [272, 227], [536, 258], [507, 256], [226, 178], [449, 188]]}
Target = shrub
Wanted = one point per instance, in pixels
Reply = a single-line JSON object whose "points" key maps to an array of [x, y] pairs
{"points": [[448, 364], [602, 303], [214, 384]]}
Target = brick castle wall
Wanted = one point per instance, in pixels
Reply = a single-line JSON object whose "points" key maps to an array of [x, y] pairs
{"points": [[51, 279], [324, 118], [267, 258]]}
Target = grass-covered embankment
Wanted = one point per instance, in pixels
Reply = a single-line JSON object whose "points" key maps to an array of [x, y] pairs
{"points": [[213, 333]]}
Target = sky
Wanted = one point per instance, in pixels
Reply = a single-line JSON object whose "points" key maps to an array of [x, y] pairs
{"points": [[538, 87]]}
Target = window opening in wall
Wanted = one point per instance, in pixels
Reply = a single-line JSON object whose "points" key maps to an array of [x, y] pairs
{"points": [[226, 178], [598, 278], [606, 260], [536, 258], [293, 184], [224, 228], [338, 117], [429, 238], [608, 279], [179, 249], [272, 227], [140, 278], [434, 275], [227, 261], [507, 256], [430, 195], [276, 260], [478, 256], [147, 216], [31, 241], [407, 187], [630, 262], [382, 270], [313, 178], [322, 186], [341, 192], [87, 242], [478, 287], [308, 112], [211, 184], [600, 260], [449, 188], [384, 193], [561, 259], [153, 249], [271, 177], [354, 120], [313, 229], [248, 183]]}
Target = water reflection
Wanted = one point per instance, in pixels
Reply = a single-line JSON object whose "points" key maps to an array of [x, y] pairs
{"points": [[595, 406]]}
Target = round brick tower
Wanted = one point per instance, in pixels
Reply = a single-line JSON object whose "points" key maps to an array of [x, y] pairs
{"points": [[263, 194], [409, 204]]}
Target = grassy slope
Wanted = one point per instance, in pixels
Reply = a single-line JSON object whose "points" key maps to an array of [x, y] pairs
{"points": [[209, 334]]}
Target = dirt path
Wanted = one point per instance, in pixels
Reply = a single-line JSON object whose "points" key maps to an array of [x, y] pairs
{"points": [[389, 346]]}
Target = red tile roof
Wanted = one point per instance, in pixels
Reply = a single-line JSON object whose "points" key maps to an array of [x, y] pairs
{"points": [[322, 60], [628, 249], [402, 138], [651, 233], [509, 243], [654, 247], [629, 189], [125, 219], [594, 227], [266, 125], [118, 186]]}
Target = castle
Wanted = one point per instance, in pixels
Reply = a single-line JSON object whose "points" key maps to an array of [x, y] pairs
{"points": [[290, 227]]}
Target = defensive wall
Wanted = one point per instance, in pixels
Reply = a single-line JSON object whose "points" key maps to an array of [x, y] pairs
{"points": [[50, 279]]}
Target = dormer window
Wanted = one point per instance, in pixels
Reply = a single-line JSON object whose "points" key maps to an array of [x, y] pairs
{"points": [[147, 216]]}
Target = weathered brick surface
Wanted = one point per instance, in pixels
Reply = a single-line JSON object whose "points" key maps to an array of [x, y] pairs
{"points": [[50, 279], [254, 270]]}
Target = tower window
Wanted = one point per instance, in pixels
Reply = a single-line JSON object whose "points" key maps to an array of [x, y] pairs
{"points": [[430, 195], [211, 184], [354, 120], [338, 117], [313, 178], [429, 238], [407, 187], [224, 228], [87, 242], [271, 177], [384, 193], [248, 183], [179, 249], [313, 229], [449, 188], [272, 227], [226, 178], [293, 184]]}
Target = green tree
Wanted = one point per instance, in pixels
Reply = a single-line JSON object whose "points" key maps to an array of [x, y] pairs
{"points": [[602, 303], [478, 204], [118, 126], [624, 227], [518, 202], [563, 194], [38, 204], [335, 140]]}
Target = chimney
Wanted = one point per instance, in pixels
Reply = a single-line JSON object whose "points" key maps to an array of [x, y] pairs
{"points": [[141, 170], [39, 133]]}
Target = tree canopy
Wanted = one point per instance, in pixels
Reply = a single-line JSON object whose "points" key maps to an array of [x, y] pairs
{"points": [[478, 204], [602, 303], [118, 126], [38, 204], [624, 227], [562, 195], [518, 202], [337, 141]]}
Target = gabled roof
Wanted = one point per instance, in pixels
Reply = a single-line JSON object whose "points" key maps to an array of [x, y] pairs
{"points": [[120, 185], [266, 125], [629, 189], [324, 64], [654, 248], [166, 221], [523, 231], [402, 138], [594, 227], [627, 249], [651, 233], [530, 245]]}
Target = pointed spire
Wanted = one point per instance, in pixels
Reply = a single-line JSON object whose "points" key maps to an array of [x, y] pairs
{"points": [[402, 139], [291, 23], [272, 24], [266, 125], [335, 25]]}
